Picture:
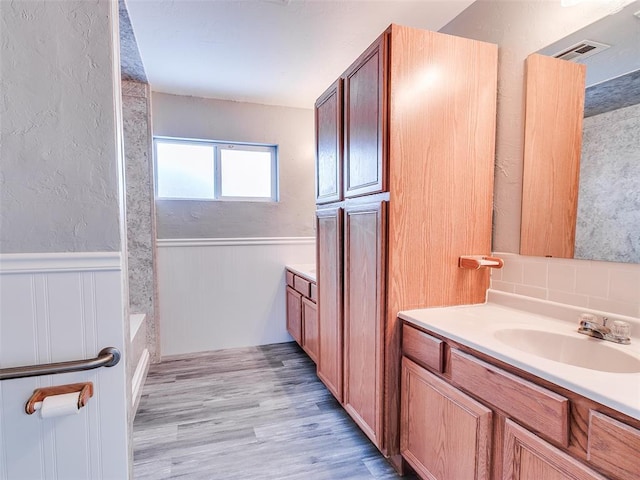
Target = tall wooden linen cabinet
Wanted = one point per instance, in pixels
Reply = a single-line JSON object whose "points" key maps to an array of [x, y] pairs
{"points": [[404, 165]]}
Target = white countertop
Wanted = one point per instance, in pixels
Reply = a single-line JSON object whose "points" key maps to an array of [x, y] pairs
{"points": [[475, 325], [307, 270]]}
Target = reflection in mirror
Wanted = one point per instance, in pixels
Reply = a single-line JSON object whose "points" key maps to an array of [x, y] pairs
{"points": [[604, 222], [554, 103]]}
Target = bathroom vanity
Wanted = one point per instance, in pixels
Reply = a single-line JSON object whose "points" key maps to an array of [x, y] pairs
{"points": [[501, 391], [302, 312]]}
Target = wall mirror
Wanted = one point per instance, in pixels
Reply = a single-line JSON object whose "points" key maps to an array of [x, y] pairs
{"points": [[581, 180]]}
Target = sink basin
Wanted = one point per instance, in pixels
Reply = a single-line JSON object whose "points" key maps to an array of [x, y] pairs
{"points": [[584, 351]]}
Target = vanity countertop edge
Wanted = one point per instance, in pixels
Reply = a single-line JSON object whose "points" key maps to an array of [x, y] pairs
{"points": [[306, 270]]}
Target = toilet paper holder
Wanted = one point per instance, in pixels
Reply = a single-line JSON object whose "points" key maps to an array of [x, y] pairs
{"points": [[475, 262], [84, 389]]}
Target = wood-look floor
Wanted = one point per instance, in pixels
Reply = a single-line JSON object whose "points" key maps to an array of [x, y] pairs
{"points": [[250, 413]]}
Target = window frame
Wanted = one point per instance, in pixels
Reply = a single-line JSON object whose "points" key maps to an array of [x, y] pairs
{"points": [[218, 146]]}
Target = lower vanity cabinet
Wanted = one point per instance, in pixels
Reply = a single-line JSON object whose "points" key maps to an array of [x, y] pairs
{"points": [[310, 342], [302, 313], [444, 434], [527, 457], [464, 417], [294, 314]]}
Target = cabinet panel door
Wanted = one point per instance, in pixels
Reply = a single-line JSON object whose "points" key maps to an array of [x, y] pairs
{"points": [[528, 457], [329, 145], [445, 434], [365, 234], [294, 314], [364, 116], [310, 329], [329, 276]]}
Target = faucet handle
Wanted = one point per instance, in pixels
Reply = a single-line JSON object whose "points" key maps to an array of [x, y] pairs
{"points": [[621, 329]]}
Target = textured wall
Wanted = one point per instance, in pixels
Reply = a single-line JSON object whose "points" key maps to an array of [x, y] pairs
{"points": [[291, 128], [141, 225], [608, 226], [58, 179], [519, 28]]}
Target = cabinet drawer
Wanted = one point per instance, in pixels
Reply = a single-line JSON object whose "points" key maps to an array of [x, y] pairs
{"points": [[613, 447], [422, 348], [314, 292], [290, 277], [539, 408], [301, 285]]}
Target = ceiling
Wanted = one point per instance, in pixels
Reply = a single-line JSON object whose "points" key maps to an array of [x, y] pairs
{"points": [[275, 52]]}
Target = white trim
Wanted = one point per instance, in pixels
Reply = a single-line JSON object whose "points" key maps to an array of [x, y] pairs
{"points": [[218, 242], [60, 262], [139, 376]]}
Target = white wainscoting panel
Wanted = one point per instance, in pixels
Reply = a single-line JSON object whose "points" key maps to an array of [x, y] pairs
{"points": [[54, 308], [225, 293]]}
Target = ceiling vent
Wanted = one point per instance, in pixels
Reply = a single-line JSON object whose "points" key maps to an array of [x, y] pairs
{"points": [[581, 50]]}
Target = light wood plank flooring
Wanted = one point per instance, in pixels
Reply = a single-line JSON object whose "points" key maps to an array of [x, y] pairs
{"points": [[251, 413]]}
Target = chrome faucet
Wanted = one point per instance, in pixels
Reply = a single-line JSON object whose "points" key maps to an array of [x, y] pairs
{"points": [[618, 333]]}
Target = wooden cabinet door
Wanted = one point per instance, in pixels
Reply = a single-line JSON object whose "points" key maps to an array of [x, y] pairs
{"points": [[365, 244], [444, 434], [329, 276], [294, 314], [329, 144], [528, 457], [365, 98], [310, 329]]}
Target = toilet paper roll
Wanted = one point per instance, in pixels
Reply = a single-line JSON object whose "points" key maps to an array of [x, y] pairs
{"points": [[60, 405]]}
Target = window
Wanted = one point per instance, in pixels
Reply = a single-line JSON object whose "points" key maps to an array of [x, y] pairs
{"points": [[211, 170]]}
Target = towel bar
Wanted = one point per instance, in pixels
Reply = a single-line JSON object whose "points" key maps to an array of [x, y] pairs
{"points": [[108, 357]]}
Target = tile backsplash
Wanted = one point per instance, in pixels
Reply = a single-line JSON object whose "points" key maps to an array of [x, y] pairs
{"points": [[605, 286]]}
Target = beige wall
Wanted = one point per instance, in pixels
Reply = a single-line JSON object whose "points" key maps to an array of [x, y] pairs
{"points": [[292, 129], [519, 28]]}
